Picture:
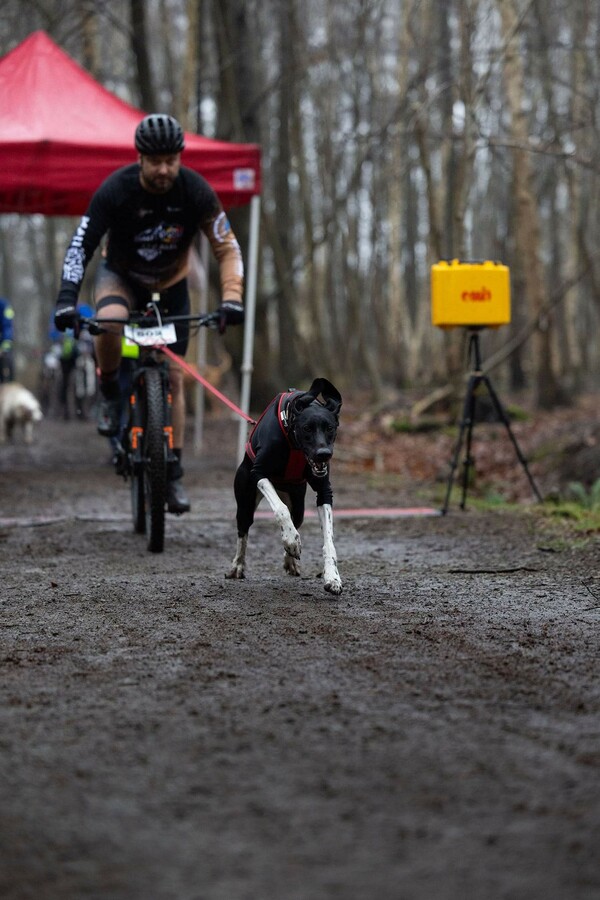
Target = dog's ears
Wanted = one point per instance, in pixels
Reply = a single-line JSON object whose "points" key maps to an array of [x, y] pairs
{"points": [[330, 394], [332, 399]]}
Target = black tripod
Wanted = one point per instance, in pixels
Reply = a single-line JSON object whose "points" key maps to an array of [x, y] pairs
{"points": [[476, 378]]}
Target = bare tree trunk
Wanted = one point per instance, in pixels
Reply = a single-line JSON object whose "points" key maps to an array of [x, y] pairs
{"points": [[285, 314], [51, 265], [400, 318], [573, 306], [7, 259], [466, 158], [547, 392], [230, 119], [89, 35], [169, 79], [186, 107], [238, 72], [139, 46], [428, 12]]}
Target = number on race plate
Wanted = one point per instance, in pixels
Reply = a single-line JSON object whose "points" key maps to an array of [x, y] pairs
{"points": [[150, 337]]}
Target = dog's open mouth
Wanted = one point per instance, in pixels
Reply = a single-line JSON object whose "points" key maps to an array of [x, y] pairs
{"points": [[319, 469]]}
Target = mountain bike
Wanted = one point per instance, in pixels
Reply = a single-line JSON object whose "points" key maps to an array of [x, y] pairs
{"points": [[143, 451]]}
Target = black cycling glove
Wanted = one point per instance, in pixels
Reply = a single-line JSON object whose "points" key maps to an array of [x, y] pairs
{"points": [[231, 312], [65, 315]]}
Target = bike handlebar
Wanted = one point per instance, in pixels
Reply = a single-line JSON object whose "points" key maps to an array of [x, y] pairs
{"points": [[94, 324]]}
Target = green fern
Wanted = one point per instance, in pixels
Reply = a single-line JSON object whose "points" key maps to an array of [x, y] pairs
{"points": [[578, 493], [595, 494]]}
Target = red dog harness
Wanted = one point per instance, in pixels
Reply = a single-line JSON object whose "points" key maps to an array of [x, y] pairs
{"points": [[296, 463]]}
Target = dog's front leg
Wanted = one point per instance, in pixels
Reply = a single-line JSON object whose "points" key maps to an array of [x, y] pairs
{"points": [[331, 576], [289, 535], [239, 560]]}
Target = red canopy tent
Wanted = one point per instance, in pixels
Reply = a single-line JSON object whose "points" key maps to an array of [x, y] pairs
{"points": [[62, 133]]}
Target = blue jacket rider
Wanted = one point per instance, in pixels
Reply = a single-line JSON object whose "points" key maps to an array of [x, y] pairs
{"points": [[7, 315]]}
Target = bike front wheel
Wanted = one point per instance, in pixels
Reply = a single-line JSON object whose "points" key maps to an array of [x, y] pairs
{"points": [[155, 461]]}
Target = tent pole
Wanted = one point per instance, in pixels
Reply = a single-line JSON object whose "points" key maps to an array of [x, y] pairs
{"points": [[201, 263], [250, 315]]}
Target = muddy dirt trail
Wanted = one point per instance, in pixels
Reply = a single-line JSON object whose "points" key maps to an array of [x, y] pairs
{"points": [[167, 734]]}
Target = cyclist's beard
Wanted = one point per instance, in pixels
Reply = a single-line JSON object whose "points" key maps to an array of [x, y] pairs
{"points": [[159, 184]]}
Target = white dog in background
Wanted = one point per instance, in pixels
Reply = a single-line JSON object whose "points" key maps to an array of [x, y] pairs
{"points": [[18, 407]]}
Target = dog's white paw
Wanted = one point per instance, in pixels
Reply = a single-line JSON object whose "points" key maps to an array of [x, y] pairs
{"points": [[334, 586], [238, 562], [292, 543], [331, 578]]}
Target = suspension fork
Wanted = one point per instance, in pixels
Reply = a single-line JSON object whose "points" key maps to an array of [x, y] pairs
{"points": [[168, 411]]}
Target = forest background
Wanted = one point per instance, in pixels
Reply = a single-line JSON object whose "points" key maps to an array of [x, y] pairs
{"points": [[394, 133]]}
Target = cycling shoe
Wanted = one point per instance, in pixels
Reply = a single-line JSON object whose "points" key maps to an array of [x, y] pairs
{"points": [[109, 416], [177, 502]]}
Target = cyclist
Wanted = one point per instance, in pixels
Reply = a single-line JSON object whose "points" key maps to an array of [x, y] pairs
{"points": [[150, 212], [7, 315]]}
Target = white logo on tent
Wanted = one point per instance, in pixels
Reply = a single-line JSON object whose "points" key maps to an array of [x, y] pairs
{"points": [[244, 179]]}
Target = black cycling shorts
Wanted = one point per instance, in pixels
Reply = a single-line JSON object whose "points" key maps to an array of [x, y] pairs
{"points": [[174, 300]]}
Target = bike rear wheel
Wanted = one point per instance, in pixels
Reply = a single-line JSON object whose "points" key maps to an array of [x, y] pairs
{"points": [[155, 461]]}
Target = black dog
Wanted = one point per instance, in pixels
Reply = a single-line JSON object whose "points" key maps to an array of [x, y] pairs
{"points": [[291, 445]]}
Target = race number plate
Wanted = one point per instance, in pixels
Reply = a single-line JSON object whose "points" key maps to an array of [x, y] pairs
{"points": [[151, 337]]}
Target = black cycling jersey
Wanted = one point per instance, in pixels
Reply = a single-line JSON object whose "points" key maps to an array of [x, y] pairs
{"points": [[149, 234]]}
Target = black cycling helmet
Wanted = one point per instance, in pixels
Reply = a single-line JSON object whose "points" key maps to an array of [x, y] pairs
{"points": [[158, 134]]}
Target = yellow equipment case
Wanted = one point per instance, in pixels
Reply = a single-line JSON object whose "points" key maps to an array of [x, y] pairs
{"points": [[470, 294]]}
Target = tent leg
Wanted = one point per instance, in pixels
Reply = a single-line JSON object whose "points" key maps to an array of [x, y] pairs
{"points": [[200, 263]]}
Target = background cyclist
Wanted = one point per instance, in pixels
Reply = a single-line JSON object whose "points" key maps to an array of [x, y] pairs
{"points": [[7, 365], [150, 212]]}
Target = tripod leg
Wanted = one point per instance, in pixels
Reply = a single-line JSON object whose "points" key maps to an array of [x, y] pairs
{"points": [[505, 421], [473, 385], [453, 465], [466, 424]]}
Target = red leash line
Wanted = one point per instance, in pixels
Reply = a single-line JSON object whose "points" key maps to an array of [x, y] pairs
{"points": [[209, 387]]}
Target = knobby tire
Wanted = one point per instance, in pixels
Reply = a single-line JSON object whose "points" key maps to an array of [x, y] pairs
{"points": [[155, 462]]}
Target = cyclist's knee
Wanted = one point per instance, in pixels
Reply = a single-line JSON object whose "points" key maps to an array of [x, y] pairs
{"points": [[112, 306]]}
